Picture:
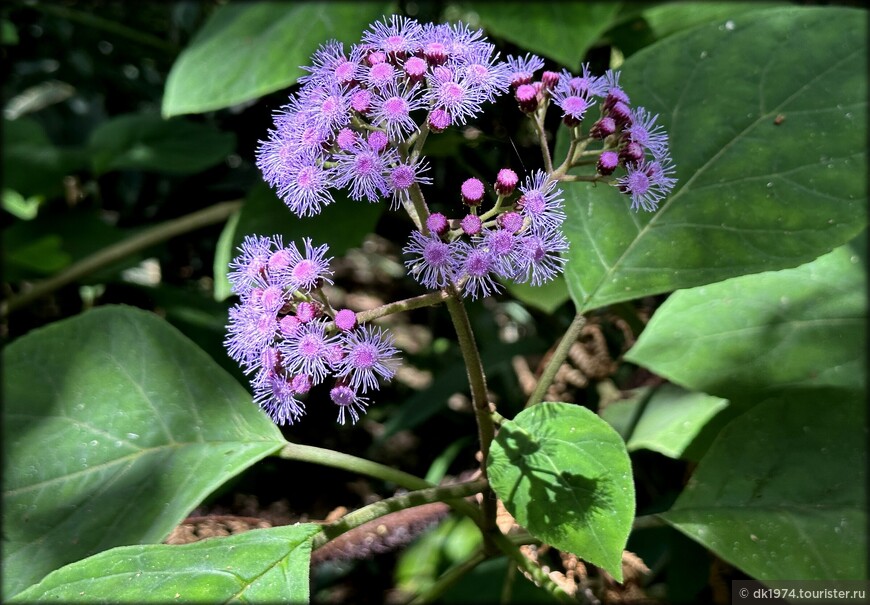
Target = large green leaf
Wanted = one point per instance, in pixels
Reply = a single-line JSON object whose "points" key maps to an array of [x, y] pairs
{"points": [[670, 17], [797, 327], [148, 142], [562, 31], [342, 225], [664, 420], [247, 50], [782, 491], [259, 566], [115, 427], [767, 119], [564, 474]]}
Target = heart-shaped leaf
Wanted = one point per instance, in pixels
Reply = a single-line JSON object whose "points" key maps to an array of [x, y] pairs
{"points": [[258, 566], [564, 474], [757, 333], [767, 115], [246, 50], [115, 426], [782, 491]]}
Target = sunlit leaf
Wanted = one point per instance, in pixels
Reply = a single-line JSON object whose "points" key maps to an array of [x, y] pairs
{"points": [[564, 474], [562, 31], [756, 333], [258, 566], [115, 427], [247, 50]]}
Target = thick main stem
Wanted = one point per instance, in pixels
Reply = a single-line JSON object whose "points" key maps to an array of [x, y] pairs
{"points": [[479, 398], [556, 360]]}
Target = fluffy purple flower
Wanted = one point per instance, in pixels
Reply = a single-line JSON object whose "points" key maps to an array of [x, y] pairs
{"points": [[585, 84], [540, 201], [247, 268], [647, 182], [380, 75], [329, 65], [306, 352], [399, 37], [363, 172], [331, 107], [392, 109], [472, 191], [432, 262], [405, 175], [476, 266], [277, 397], [649, 135], [369, 356], [481, 68], [502, 245], [250, 331], [305, 186], [539, 256], [348, 402], [573, 104], [310, 268], [457, 96], [521, 70]]}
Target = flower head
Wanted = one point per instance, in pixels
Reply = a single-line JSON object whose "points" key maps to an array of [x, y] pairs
{"points": [[369, 356], [432, 261], [647, 182], [348, 402], [540, 201]]}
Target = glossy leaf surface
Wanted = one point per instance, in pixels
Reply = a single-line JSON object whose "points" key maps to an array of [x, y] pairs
{"points": [[782, 492], [562, 31], [564, 474], [247, 50], [802, 327], [771, 174], [258, 566], [115, 427]]}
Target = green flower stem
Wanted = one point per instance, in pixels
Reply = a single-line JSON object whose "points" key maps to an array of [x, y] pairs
{"points": [[450, 494], [538, 120], [556, 360], [424, 300], [417, 209], [449, 578], [353, 464], [111, 254], [421, 136], [479, 398]]}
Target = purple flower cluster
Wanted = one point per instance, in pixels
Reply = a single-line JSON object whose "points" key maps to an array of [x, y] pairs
{"points": [[631, 138], [289, 341], [344, 127], [518, 239]]}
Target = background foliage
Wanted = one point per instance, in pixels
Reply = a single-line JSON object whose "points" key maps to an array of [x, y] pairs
{"points": [[733, 320]]}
